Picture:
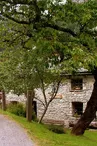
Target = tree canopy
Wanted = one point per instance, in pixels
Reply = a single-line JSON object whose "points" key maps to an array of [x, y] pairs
{"points": [[67, 32]]}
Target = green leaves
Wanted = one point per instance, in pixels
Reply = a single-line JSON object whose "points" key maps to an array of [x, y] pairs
{"points": [[43, 39]]}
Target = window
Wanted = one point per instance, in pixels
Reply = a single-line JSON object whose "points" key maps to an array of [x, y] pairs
{"points": [[34, 103], [77, 108], [76, 84]]}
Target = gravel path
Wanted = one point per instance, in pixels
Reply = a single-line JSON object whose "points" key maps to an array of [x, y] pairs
{"points": [[11, 134]]}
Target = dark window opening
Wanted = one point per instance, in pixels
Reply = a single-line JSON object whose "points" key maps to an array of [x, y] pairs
{"points": [[76, 84], [77, 108], [34, 103]]}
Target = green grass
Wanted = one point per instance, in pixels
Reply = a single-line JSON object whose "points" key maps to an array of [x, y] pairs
{"points": [[43, 137]]}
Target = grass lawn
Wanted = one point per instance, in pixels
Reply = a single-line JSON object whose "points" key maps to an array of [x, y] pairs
{"points": [[43, 137]]}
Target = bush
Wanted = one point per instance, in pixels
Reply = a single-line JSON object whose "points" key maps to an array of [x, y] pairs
{"points": [[17, 109], [34, 117], [56, 128]]}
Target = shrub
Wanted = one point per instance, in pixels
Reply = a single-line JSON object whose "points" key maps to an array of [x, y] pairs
{"points": [[34, 117], [56, 128], [17, 109]]}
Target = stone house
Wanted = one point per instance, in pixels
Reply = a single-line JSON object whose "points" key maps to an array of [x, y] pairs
{"points": [[70, 101]]}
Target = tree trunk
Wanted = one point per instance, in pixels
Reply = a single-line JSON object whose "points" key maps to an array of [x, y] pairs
{"points": [[30, 94], [90, 111], [3, 101], [44, 112]]}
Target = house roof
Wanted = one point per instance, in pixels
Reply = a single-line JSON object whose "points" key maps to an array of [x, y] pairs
{"points": [[80, 72]]}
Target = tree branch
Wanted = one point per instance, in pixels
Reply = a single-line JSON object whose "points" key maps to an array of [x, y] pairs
{"points": [[56, 27], [16, 2], [40, 101], [15, 20], [43, 88], [37, 10], [55, 91]]}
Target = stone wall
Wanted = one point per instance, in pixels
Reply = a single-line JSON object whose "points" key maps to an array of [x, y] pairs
{"points": [[10, 97], [61, 107]]}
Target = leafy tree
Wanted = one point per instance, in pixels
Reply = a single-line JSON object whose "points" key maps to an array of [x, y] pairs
{"points": [[25, 73], [62, 34], [27, 69]]}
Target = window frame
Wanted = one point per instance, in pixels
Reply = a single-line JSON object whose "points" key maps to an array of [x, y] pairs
{"points": [[77, 109], [76, 84]]}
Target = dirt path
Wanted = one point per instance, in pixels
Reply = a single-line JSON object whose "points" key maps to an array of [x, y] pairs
{"points": [[11, 134]]}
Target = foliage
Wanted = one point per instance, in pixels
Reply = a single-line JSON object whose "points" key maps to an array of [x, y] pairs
{"points": [[17, 109], [59, 129], [34, 116]]}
